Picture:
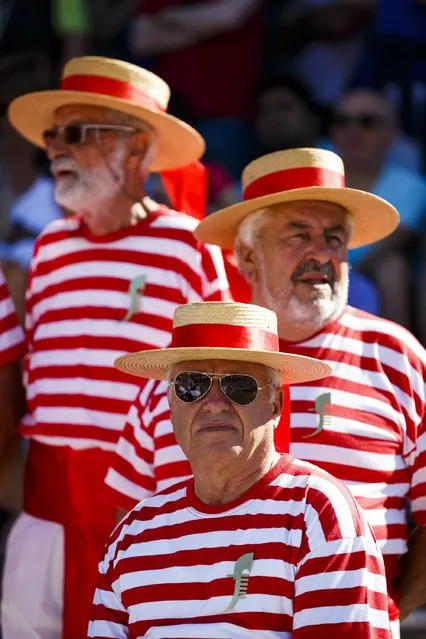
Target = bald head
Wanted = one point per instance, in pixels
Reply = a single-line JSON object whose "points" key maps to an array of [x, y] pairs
{"points": [[364, 128]]}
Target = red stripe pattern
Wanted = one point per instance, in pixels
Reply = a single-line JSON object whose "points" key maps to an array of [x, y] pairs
{"points": [[372, 434], [110, 86], [224, 336], [289, 179], [310, 564], [12, 341], [91, 299]]}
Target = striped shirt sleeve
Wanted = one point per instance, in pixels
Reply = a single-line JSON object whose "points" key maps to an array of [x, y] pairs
{"points": [[214, 281], [340, 590], [110, 618], [417, 462], [12, 343], [130, 478]]}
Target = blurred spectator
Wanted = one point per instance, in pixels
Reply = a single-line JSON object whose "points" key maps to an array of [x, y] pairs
{"points": [[28, 195], [31, 212], [324, 40], [363, 129], [26, 25], [222, 190], [286, 116], [209, 52]]}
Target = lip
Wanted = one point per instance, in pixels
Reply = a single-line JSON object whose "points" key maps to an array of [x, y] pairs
{"points": [[215, 428], [315, 279]]}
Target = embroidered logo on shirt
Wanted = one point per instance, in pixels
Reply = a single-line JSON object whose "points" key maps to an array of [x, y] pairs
{"points": [[240, 576], [323, 408], [136, 289]]}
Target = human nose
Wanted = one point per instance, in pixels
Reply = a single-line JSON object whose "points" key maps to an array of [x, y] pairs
{"points": [[320, 251], [215, 401]]}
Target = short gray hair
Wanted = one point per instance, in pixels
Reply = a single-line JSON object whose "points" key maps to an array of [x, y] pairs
{"points": [[125, 119]]}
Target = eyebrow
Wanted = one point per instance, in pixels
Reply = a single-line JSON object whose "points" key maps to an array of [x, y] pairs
{"points": [[301, 226]]}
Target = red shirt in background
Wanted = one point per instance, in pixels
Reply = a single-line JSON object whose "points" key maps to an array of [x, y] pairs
{"points": [[216, 77]]}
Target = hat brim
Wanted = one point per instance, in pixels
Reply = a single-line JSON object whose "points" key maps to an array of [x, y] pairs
{"points": [[178, 143], [154, 364], [373, 217]]}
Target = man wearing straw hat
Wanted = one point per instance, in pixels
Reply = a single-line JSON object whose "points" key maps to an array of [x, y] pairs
{"points": [[102, 282], [365, 423], [257, 544]]}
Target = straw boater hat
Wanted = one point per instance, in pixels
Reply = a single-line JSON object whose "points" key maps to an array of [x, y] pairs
{"points": [[115, 85], [300, 174], [223, 330]]}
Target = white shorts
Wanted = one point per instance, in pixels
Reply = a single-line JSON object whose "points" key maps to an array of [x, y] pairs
{"points": [[33, 580]]}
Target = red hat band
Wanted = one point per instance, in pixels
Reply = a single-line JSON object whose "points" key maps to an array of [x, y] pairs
{"points": [[110, 87], [294, 178], [224, 336]]}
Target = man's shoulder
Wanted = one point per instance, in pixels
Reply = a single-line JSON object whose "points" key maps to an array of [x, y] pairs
{"points": [[325, 497], [60, 227], [145, 514], [370, 329], [167, 218]]}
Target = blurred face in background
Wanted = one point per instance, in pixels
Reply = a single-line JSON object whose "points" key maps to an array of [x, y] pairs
{"points": [[284, 120], [363, 129], [92, 172]]}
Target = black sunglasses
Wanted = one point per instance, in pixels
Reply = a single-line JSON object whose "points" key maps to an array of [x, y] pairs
{"points": [[365, 121], [77, 133], [190, 386]]}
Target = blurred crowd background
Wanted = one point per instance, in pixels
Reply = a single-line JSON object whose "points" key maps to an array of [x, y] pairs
{"points": [[253, 76]]}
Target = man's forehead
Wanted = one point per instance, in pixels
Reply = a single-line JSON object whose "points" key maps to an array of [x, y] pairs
{"points": [[80, 112], [310, 213], [218, 366]]}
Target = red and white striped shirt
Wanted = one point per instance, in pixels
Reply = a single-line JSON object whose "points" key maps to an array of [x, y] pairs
{"points": [[93, 298], [372, 433], [12, 342], [293, 557]]}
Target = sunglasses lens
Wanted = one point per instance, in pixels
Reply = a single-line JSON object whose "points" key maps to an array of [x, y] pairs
{"points": [[72, 134], [49, 136], [240, 389], [191, 386]]}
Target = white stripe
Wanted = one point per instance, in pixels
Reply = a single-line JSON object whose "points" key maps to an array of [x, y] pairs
{"points": [[212, 539], [92, 357], [339, 580], [107, 630], [108, 599], [11, 338], [340, 614], [217, 630], [83, 386], [125, 486], [79, 417], [385, 516], [347, 457], [204, 573], [76, 443], [377, 490], [187, 608]]}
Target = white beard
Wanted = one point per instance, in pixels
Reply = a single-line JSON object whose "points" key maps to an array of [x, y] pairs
{"points": [[89, 189], [315, 313]]}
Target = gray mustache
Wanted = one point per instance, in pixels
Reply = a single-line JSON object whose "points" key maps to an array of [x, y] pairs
{"points": [[312, 266]]}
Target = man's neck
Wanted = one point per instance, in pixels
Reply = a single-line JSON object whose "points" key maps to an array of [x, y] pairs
{"points": [[114, 217], [214, 483]]}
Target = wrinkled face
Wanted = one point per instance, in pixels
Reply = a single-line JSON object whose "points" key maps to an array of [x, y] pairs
{"points": [[299, 262], [363, 128], [213, 427], [283, 120], [92, 172]]}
